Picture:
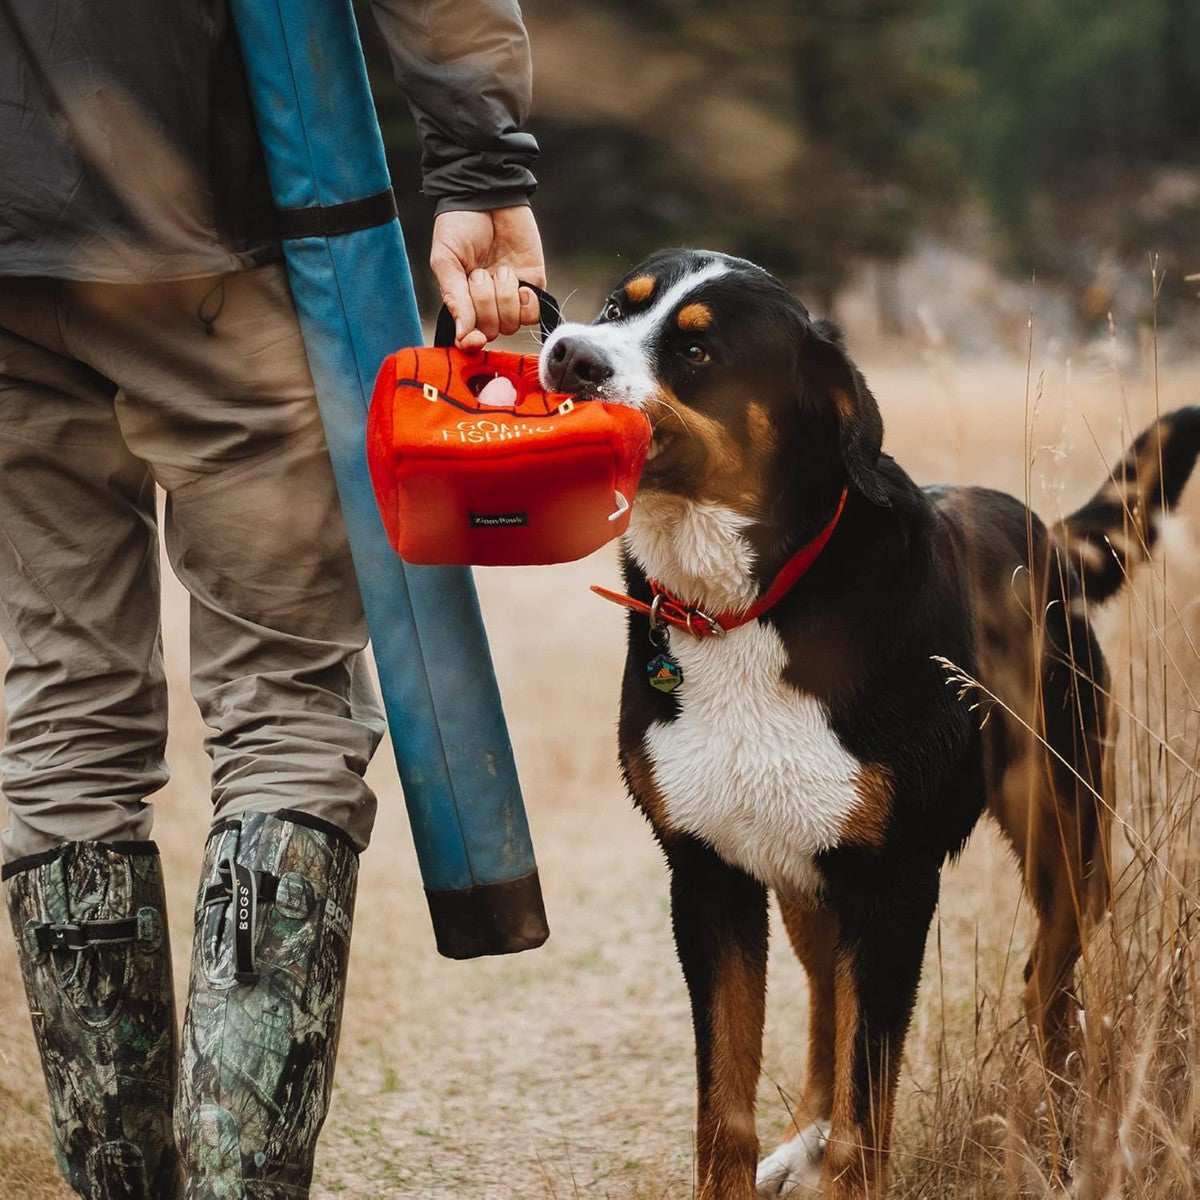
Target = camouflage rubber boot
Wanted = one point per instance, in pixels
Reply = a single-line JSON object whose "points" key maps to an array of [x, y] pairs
{"points": [[90, 923], [265, 1004]]}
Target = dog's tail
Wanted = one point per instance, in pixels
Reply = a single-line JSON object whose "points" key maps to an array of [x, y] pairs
{"points": [[1118, 527]]}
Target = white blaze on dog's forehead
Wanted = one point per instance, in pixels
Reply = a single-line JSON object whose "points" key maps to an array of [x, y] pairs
{"points": [[679, 291], [626, 343], [643, 324]]}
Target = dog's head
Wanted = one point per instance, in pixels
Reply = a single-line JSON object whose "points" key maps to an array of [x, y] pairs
{"points": [[751, 399]]}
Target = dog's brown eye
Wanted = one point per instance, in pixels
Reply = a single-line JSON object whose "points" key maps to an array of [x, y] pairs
{"points": [[694, 352], [612, 311]]}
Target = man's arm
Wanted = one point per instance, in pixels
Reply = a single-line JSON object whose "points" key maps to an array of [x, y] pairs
{"points": [[465, 70]]}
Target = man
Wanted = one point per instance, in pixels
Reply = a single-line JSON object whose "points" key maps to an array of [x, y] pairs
{"points": [[148, 340]]}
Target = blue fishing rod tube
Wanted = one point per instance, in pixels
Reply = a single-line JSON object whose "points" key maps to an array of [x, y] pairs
{"points": [[353, 291]]}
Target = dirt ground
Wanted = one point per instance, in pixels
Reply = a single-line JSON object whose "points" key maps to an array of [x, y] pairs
{"points": [[567, 1071]]}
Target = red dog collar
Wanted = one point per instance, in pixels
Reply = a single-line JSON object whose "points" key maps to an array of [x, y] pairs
{"points": [[665, 609]]}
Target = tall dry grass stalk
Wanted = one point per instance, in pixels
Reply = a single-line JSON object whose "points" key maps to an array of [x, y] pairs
{"points": [[985, 1119]]}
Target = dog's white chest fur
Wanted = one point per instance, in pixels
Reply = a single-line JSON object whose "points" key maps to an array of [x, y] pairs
{"points": [[751, 765]]}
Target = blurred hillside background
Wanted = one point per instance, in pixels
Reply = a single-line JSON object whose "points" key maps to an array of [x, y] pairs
{"points": [[929, 158]]}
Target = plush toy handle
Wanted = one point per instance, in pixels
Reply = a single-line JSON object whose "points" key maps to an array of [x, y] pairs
{"points": [[549, 317]]}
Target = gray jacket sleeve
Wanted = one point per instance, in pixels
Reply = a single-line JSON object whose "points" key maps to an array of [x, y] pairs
{"points": [[464, 67]]}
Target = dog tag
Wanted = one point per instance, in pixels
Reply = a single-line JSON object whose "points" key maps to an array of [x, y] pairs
{"points": [[664, 673]]}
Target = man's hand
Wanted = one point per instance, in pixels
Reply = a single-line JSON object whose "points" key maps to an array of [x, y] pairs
{"points": [[478, 257]]}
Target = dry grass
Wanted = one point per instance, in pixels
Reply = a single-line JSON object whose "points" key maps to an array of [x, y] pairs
{"points": [[567, 1072], [984, 1119]]}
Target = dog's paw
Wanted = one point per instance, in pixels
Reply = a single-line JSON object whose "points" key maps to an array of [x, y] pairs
{"points": [[794, 1169]]}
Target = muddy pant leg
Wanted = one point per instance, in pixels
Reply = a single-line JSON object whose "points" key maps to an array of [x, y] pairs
{"points": [[84, 687], [277, 638], [268, 978]]}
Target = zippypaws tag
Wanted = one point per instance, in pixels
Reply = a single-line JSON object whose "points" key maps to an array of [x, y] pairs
{"points": [[664, 673]]}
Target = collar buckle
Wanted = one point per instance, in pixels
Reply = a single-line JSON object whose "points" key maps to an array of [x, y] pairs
{"points": [[713, 627], [682, 618]]}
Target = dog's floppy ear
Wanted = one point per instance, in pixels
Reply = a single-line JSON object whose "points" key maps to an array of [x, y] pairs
{"points": [[828, 375]]}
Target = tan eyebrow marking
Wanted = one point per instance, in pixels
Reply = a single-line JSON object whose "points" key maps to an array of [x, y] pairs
{"points": [[695, 316], [639, 289]]}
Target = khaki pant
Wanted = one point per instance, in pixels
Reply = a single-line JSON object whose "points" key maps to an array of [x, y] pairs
{"points": [[202, 388]]}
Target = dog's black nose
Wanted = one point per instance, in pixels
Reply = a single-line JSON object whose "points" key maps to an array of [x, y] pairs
{"points": [[575, 365]]}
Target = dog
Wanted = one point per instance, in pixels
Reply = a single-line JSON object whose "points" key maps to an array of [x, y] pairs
{"points": [[794, 715]]}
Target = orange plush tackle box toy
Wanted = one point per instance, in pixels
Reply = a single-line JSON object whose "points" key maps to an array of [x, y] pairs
{"points": [[474, 464]]}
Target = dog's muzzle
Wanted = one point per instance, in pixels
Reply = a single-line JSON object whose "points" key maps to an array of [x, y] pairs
{"points": [[575, 365]]}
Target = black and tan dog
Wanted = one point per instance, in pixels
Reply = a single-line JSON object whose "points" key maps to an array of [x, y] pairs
{"points": [[786, 720]]}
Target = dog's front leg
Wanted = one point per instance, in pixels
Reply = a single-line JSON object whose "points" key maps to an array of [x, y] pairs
{"points": [[877, 970], [720, 920], [794, 1167]]}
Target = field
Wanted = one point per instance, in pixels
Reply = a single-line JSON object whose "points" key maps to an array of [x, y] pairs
{"points": [[567, 1071]]}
